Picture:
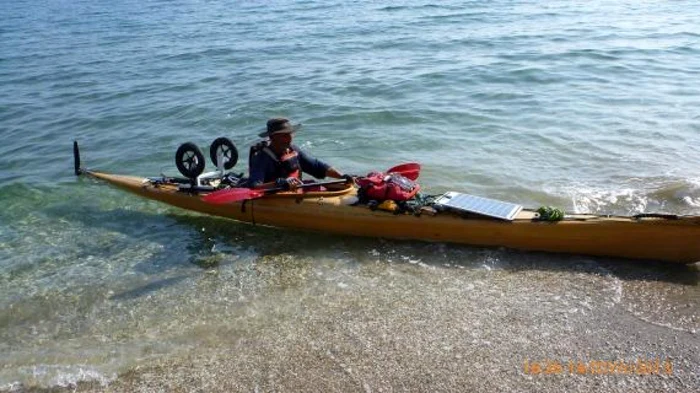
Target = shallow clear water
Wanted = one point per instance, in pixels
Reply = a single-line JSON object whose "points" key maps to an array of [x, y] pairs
{"points": [[592, 107]]}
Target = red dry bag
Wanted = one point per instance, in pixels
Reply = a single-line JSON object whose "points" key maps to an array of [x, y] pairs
{"points": [[381, 187]]}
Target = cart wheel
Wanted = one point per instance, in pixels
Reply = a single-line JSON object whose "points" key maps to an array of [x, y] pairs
{"points": [[228, 151], [189, 160]]}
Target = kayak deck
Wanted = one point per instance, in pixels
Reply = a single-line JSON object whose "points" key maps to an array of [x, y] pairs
{"points": [[654, 237]]}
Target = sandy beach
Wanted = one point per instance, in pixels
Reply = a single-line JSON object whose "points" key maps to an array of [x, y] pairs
{"points": [[436, 328]]}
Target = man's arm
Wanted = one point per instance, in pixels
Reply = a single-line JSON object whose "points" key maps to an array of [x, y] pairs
{"points": [[320, 169], [312, 166], [332, 172]]}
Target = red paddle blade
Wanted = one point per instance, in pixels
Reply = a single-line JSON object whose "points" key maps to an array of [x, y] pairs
{"points": [[231, 195], [410, 170]]}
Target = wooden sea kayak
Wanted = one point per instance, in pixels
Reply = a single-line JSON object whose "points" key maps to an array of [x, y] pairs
{"points": [[667, 238]]}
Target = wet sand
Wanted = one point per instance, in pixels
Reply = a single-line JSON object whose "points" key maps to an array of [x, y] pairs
{"points": [[416, 327]]}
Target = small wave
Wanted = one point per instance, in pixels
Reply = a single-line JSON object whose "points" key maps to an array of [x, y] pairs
{"points": [[637, 196], [661, 324], [603, 201], [616, 284], [392, 8], [45, 375], [694, 202], [592, 54]]}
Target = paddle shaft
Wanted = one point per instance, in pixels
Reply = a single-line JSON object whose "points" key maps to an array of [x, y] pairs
{"points": [[306, 185]]}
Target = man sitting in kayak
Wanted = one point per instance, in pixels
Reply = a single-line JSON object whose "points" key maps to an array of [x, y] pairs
{"points": [[278, 163]]}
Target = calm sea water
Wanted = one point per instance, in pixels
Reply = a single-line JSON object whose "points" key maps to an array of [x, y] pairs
{"points": [[592, 107]]}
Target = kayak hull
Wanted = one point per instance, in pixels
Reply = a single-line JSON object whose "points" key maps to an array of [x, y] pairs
{"points": [[655, 238]]}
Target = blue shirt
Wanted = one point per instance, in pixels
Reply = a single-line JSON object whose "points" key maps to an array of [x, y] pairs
{"points": [[264, 169]]}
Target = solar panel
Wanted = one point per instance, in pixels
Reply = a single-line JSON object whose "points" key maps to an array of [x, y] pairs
{"points": [[474, 204]]}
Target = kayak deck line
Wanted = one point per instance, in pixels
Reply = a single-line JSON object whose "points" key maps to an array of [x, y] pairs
{"points": [[649, 237]]}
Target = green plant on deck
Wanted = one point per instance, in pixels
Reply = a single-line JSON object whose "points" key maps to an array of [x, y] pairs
{"points": [[549, 213]]}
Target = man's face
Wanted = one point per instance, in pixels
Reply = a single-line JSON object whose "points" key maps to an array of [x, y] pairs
{"points": [[281, 140]]}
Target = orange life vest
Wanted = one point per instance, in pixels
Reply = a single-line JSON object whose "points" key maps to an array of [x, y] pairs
{"points": [[286, 166], [290, 162]]}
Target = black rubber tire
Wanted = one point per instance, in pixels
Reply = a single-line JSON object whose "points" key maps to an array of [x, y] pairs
{"points": [[189, 160], [227, 148]]}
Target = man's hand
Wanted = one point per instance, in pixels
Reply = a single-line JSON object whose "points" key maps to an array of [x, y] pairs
{"points": [[290, 183], [349, 179]]}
